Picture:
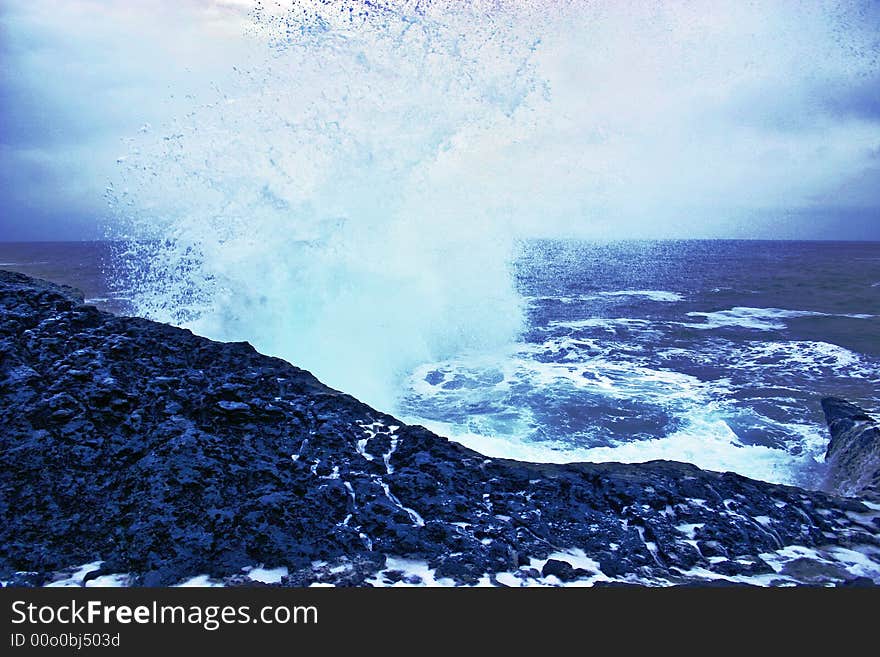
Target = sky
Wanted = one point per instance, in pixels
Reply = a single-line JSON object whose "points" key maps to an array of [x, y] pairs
{"points": [[80, 77], [744, 120]]}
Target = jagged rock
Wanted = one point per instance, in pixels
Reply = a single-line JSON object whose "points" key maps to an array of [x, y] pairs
{"points": [[165, 456], [564, 571], [853, 455]]}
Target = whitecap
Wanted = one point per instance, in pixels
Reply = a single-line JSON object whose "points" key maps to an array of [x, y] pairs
{"points": [[652, 295], [607, 323], [766, 319]]}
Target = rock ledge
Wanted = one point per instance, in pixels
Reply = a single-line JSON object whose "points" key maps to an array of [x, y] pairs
{"points": [[153, 456]]}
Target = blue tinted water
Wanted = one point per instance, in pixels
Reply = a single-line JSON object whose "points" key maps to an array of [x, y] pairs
{"points": [[714, 352]]}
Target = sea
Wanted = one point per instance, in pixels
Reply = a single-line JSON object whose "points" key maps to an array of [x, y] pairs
{"points": [[714, 352]]}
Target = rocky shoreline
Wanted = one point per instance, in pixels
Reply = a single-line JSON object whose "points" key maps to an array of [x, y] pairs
{"points": [[136, 453]]}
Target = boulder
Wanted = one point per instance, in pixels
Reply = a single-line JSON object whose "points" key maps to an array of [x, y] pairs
{"points": [[853, 455]]}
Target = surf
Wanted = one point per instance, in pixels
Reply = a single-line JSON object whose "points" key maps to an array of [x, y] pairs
{"points": [[331, 206], [356, 198]]}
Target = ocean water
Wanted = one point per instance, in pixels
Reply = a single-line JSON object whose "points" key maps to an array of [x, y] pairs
{"points": [[90, 267], [711, 352]]}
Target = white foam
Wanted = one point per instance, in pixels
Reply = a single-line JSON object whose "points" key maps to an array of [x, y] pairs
{"points": [[412, 513], [858, 562], [707, 442], [509, 579], [608, 323], [268, 575], [854, 562], [803, 354], [416, 571], [777, 361], [76, 578], [755, 580], [199, 581], [577, 558], [491, 376], [689, 529], [651, 295], [386, 458], [765, 319], [109, 581]]}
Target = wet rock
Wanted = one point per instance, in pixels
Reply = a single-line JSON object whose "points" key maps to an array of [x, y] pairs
{"points": [[564, 571], [167, 456], [810, 570], [853, 455], [859, 582], [233, 406]]}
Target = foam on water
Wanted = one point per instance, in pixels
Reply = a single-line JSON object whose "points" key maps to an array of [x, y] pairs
{"points": [[758, 318], [653, 295], [609, 323], [707, 442], [803, 355], [604, 399]]}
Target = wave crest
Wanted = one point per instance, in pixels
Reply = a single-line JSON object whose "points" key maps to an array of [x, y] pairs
{"points": [[331, 207]]}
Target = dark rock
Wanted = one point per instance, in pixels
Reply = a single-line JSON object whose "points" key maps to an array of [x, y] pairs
{"points": [[234, 406], [859, 582], [561, 569], [616, 585], [717, 583], [757, 567], [853, 455], [564, 571], [810, 570], [166, 455]]}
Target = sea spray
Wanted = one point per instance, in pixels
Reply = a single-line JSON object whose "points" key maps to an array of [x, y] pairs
{"points": [[330, 205], [350, 198]]}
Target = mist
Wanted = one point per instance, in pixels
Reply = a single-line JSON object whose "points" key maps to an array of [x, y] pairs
{"points": [[645, 119]]}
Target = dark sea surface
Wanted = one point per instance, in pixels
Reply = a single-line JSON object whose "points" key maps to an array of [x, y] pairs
{"points": [[713, 352], [87, 266]]}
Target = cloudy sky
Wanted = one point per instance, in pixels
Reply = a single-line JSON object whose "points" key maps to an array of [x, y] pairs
{"points": [[708, 119], [80, 77]]}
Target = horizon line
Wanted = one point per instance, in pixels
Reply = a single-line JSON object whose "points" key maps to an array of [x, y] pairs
{"points": [[526, 239]]}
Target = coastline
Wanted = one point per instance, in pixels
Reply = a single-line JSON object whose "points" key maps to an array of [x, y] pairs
{"points": [[157, 457]]}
